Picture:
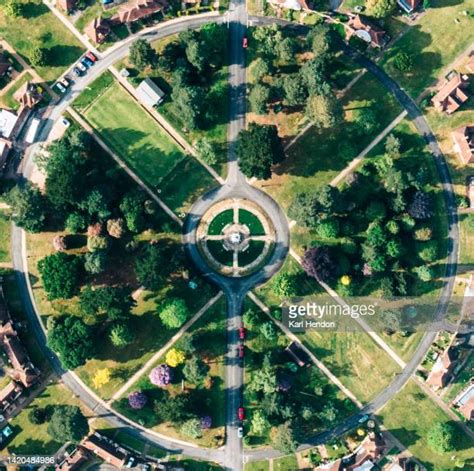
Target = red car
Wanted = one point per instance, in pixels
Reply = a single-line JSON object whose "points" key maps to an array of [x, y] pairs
{"points": [[245, 42], [91, 56], [241, 351], [241, 333], [241, 413]]}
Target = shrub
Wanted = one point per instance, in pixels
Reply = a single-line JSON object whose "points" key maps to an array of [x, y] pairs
{"points": [[424, 273], [37, 416], [137, 400], [59, 243], [192, 428], [95, 262], [429, 252], [328, 229], [423, 234], [95, 243], [284, 285], [162, 375], [175, 357], [173, 313], [75, 222], [121, 335], [403, 61], [116, 227]]}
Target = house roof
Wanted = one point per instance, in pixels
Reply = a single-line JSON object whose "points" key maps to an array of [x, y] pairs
{"points": [[149, 93], [97, 30], [28, 94], [105, 449], [441, 369], [138, 9], [7, 123], [451, 95], [463, 138], [373, 34], [8, 391], [4, 313], [291, 4]]}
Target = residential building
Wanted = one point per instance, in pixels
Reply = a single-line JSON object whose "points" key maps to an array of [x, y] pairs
{"points": [[290, 4], [149, 93], [98, 30], [441, 370], [408, 5], [463, 139], [73, 460], [8, 122], [4, 150], [9, 394], [465, 402], [452, 94], [364, 29], [105, 449], [66, 5], [138, 10], [29, 95]]}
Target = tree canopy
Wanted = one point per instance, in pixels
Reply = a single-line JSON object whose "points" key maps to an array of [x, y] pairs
{"points": [[67, 423], [173, 313]]}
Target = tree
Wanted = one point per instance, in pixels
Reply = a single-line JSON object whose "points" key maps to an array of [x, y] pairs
{"points": [[320, 37], [101, 378], [285, 285], [259, 68], [142, 54], [429, 251], [294, 89], [192, 428], [132, 207], [328, 228], [72, 340], [161, 376], [394, 249], [37, 416], [250, 318], [75, 222], [286, 49], [268, 330], [264, 380], [149, 266], [258, 98], [258, 147], [96, 203], [283, 438], [116, 228], [403, 61], [95, 262], [121, 335], [380, 8], [366, 119], [304, 209], [175, 357], [39, 56], [197, 54], [324, 111], [114, 302], [260, 423], [424, 273], [14, 8], [96, 243], [67, 424], [206, 151], [175, 409], [195, 370], [173, 313], [423, 234], [317, 263], [312, 73], [188, 103], [137, 400], [421, 206], [442, 437], [28, 207], [61, 274]]}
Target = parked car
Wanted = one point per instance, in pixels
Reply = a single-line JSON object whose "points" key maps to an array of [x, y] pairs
{"points": [[90, 55], [241, 333], [81, 67], [245, 42], [66, 81], [240, 432], [77, 71], [60, 87], [87, 62], [65, 122], [131, 462], [241, 351], [363, 419], [241, 413]]}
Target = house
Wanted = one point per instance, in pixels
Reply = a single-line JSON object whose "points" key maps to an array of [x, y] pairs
{"points": [[98, 30], [364, 29], [9, 394], [28, 95], [105, 449], [73, 460], [463, 139], [441, 370], [66, 5], [149, 93], [408, 5], [465, 402], [138, 10], [452, 94], [8, 122], [5, 65], [290, 4]]}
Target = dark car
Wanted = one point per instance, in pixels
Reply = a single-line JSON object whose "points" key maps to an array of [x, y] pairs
{"points": [[86, 62], [77, 71]]}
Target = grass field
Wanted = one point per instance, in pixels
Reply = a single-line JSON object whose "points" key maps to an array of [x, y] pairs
{"points": [[39, 26], [257, 466], [286, 463], [4, 239], [7, 100], [434, 41], [410, 415], [32, 439], [145, 147]]}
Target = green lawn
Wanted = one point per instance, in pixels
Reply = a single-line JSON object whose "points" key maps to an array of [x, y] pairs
{"points": [[91, 93], [410, 415], [32, 439], [147, 149], [7, 100], [286, 463], [434, 41], [5, 238], [40, 26], [257, 466]]}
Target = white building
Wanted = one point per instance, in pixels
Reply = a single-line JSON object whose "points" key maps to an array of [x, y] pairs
{"points": [[7, 123], [149, 93]]}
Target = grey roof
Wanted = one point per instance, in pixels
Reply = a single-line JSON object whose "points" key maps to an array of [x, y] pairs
{"points": [[149, 93]]}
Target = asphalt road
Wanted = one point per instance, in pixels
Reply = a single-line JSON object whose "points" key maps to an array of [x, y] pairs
{"points": [[235, 289]]}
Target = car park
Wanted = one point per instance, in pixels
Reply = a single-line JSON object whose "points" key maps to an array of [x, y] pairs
{"points": [[65, 122], [131, 462], [66, 82], [363, 419], [241, 413]]}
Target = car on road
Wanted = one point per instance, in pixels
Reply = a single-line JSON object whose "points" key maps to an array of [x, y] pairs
{"points": [[81, 67], [77, 71], [65, 122], [241, 351], [245, 42], [90, 55], [240, 432], [66, 81], [87, 62], [241, 413], [131, 462], [363, 419], [241, 333], [61, 87]]}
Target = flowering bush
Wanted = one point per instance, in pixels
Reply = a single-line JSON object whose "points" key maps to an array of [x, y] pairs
{"points": [[206, 422], [137, 400], [161, 375], [59, 243], [175, 357]]}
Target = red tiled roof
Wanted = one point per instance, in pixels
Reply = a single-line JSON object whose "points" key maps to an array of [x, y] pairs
{"points": [[97, 30], [376, 34], [464, 142], [137, 10], [66, 5], [451, 95]]}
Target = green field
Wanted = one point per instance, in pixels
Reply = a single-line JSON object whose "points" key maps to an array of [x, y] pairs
{"points": [[220, 221], [410, 415], [252, 253], [286, 463], [40, 26], [434, 41], [257, 466], [217, 250], [251, 221], [5, 239], [147, 149]]}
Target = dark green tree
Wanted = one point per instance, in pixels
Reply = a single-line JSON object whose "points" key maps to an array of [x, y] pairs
{"points": [[294, 89], [284, 438], [195, 370], [149, 266], [39, 56], [188, 102], [61, 274], [115, 303], [442, 437], [142, 54], [258, 98], [67, 424], [132, 207], [121, 335]]}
